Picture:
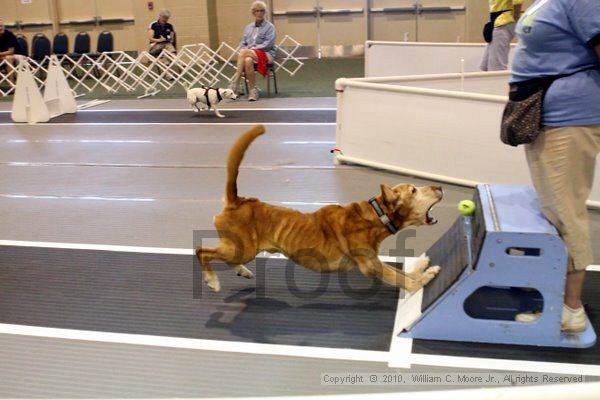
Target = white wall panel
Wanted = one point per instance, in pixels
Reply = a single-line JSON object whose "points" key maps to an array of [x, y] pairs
{"points": [[450, 136]]}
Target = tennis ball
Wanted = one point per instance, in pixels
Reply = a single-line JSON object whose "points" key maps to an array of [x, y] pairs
{"points": [[466, 207]]}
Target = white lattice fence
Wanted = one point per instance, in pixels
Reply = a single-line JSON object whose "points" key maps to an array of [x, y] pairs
{"points": [[117, 71]]}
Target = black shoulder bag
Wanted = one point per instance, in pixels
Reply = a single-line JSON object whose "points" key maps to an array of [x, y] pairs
{"points": [[488, 28], [522, 116]]}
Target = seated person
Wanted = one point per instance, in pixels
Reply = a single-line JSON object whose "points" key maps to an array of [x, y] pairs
{"points": [[161, 36], [257, 46], [9, 46]]}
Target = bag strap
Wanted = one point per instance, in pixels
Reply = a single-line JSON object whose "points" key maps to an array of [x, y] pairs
{"points": [[549, 79], [578, 71], [494, 15], [522, 90], [207, 97]]}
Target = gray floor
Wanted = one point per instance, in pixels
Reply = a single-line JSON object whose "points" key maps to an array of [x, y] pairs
{"points": [[55, 368], [110, 192], [153, 186]]}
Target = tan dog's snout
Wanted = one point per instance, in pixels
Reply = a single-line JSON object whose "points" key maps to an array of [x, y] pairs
{"points": [[420, 201], [438, 191]]}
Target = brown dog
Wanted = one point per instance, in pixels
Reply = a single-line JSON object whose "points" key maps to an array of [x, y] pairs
{"points": [[334, 238]]}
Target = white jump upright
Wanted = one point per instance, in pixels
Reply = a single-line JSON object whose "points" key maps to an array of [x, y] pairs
{"points": [[58, 95], [28, 104]]}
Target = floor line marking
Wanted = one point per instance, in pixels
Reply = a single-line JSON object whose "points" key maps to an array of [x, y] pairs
{"points": [[138, 249], [98, 247], [92, 104], [505, 364], [152, 199], [158, 142], [198, 344], [250, 167], [174, 124], [164, 250]]}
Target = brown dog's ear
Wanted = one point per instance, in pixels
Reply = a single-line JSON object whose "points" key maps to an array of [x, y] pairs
{"points": [[390, 198]]}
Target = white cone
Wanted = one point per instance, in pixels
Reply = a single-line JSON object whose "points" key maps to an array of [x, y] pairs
{"points": [[28, 103], [58, 95]]}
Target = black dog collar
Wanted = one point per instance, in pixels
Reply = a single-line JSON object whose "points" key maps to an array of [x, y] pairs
{"points": [[384, 218]]}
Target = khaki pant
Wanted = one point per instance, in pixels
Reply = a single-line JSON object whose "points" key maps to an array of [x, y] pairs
{"points": [[157, 48], [562, 162], [495, 56]]}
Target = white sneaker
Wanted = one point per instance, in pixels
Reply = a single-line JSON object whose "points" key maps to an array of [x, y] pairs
{"points": [[253, 95], [234, 86], [528, 316], [572, 320]]}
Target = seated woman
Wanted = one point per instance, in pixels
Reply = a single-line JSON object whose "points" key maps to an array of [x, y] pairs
{"points": [[161, 36], [257, 46], [10, 50]]}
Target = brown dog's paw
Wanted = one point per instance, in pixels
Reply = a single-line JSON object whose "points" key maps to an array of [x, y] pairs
{"points": [[429, 274], [243, 271], [421, 264], [213, 283]]}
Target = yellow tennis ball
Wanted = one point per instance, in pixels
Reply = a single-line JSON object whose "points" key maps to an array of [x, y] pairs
{"points": [[466, 207]]}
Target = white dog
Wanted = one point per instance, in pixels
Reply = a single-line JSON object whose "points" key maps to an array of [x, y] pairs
{"points": [[206, 98]]}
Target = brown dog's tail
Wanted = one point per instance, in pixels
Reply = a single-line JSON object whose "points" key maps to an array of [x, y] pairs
{"points": [[236, 155]]}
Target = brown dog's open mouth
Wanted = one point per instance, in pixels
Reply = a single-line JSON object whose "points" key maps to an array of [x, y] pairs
{"points": [[428, 218]]}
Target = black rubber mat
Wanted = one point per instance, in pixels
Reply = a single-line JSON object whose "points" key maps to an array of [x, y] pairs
{"points": [[450, 250], [154, 294], [179, 117], [591, 296]]}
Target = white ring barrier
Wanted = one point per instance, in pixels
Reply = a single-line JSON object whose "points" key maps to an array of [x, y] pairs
{"points": [[416, 58], [439, 127]]}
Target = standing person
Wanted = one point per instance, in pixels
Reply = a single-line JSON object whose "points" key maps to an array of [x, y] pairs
{"points": [[257, 47], [161, 36], [503, 14], [562, 37]]}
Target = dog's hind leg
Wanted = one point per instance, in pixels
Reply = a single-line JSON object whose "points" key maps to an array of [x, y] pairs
{"points": [[226, 251], [243, 271], [205, 255]]}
